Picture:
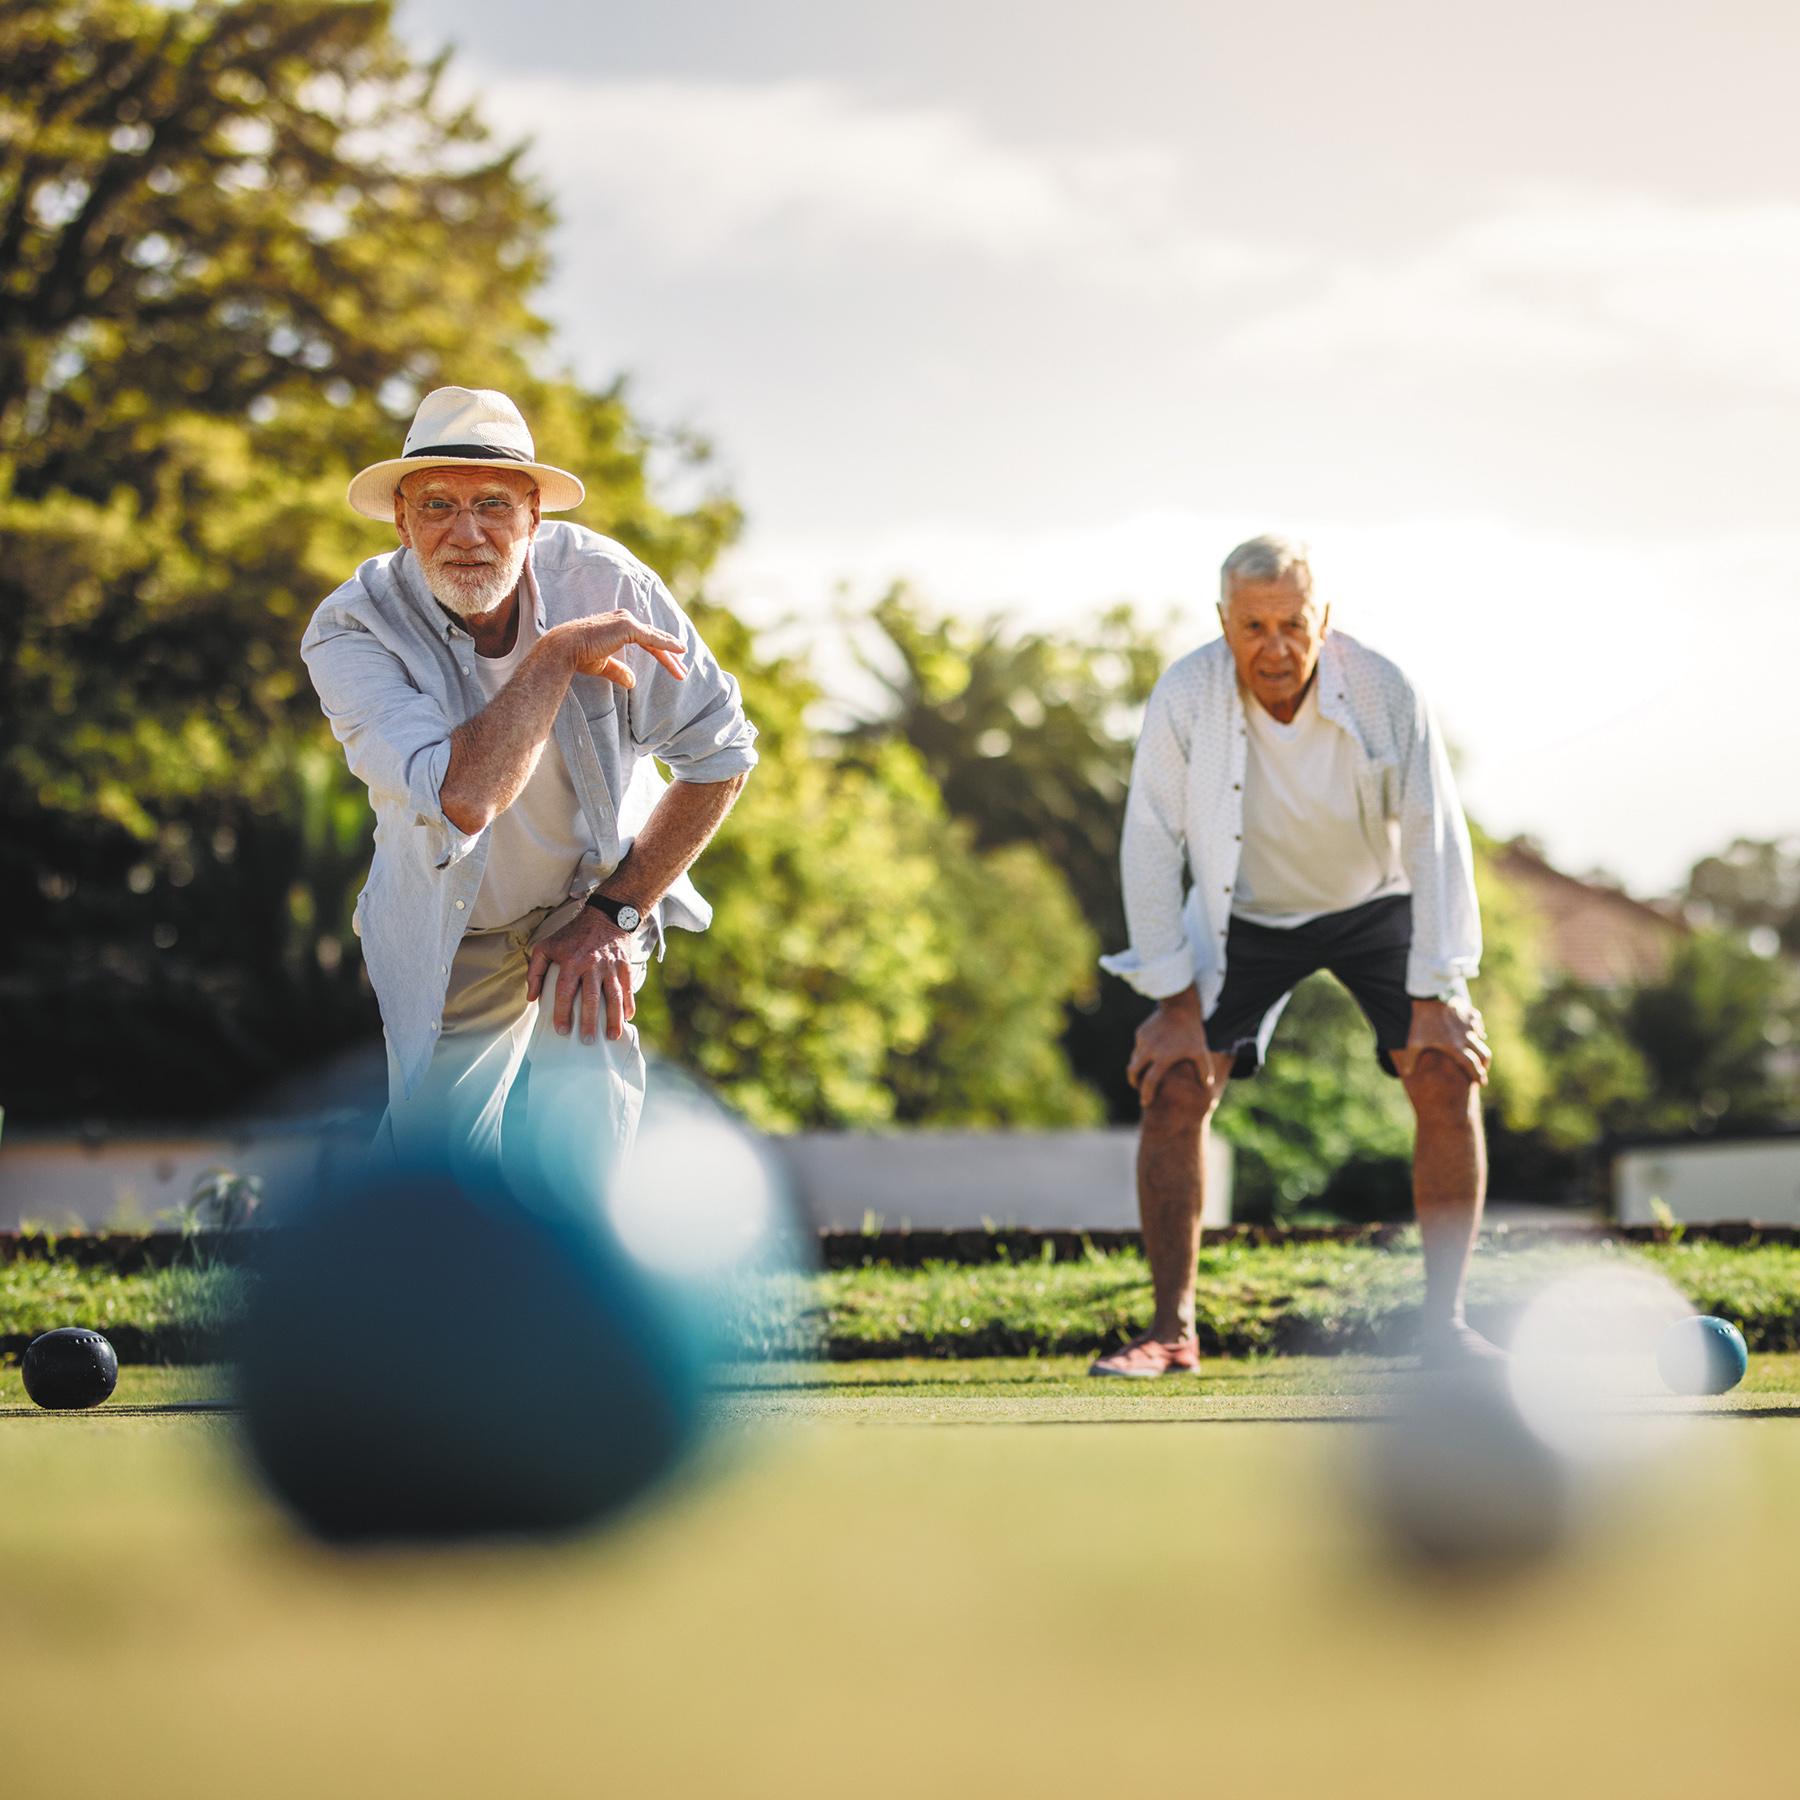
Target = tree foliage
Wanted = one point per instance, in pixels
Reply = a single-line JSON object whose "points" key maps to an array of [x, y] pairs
{"points": [[1707, 1032], [865, 965], [1751, 887], [1029, 736]]}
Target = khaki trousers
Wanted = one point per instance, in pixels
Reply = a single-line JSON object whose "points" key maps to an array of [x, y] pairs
{"points": [[581, 1101]]}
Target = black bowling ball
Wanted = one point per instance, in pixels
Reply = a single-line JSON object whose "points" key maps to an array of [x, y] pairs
{"points": [[70, 1368]]}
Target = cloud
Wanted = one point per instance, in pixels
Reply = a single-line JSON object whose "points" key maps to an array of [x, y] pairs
{"points": [[702, 174], [1563, 282]]}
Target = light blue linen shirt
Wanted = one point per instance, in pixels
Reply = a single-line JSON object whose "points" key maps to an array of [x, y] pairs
{"points": [[395, 675]]}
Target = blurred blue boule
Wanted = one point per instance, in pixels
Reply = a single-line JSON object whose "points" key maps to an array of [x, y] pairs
{"points": [[1702, 1355], [429, 1356]]}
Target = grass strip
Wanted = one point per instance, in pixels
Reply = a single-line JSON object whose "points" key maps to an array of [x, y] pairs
{"points": [[1254, 1300]]}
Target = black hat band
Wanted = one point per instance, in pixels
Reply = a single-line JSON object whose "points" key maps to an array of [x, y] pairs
{"points": [[483, 450]]}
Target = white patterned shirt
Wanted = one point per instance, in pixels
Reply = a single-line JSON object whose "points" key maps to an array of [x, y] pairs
{"points": [[1185, 817]]}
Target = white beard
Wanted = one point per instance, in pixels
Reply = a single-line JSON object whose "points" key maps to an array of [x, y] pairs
{"points": [[470, 591]]}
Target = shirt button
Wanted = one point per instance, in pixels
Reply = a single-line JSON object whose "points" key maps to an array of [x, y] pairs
{"points": [[434, 1024], [459, 906], [1228, 887], [468, 668], [1237, 787]]}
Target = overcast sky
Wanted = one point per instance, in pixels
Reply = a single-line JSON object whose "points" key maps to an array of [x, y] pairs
{"points": [[1039, 307]]}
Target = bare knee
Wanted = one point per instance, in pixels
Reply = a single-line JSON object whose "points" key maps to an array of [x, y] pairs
{"points": [[1183, 1101], [1441, 1091]]}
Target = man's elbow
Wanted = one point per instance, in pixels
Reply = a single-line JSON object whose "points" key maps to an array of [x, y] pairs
{"points": [[468, 815]]}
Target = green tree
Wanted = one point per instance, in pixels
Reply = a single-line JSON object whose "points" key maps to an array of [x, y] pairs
{"points": [[864, 966], [1751, 886], [1710, 1031], [1029, 736]]}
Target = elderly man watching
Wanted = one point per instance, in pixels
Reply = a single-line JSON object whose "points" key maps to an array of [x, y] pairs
{"points": [[501, 685], [1298, 780]]}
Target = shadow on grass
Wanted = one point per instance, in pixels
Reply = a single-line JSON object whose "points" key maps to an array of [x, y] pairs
{"points": [[103, 1411]]}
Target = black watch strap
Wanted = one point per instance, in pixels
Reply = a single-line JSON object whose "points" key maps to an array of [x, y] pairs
{"points": [[612, 908]]}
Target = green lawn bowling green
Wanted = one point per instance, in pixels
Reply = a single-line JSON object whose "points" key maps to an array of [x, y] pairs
{"points": [[841, 1607]]}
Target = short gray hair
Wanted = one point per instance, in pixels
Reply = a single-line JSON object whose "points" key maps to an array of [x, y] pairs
{"points": [[1267, 558]]}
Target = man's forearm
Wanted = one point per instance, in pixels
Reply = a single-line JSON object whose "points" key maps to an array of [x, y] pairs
{"points": [[680, 827], [493, 754]]}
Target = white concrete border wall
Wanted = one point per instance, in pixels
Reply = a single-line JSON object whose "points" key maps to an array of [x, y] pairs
{"points": [[133, 1183], [954, 1180], [1703, 1184]]}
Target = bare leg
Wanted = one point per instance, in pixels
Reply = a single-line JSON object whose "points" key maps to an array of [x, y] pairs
{"points": [[1449, 1181], [1171, 1181]]}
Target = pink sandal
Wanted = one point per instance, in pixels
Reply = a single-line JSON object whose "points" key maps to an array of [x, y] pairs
{"points": [[1148, 1357]]}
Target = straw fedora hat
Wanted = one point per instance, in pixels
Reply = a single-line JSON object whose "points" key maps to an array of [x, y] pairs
{"points": [[458, 427]]}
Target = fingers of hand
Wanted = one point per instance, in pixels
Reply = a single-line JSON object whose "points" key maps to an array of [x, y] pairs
{"points": [[659, 642], [616, 672], [618, 992], [590, 1006], [568, 993], [606, 632], [1152, 1080], [534, 976]]}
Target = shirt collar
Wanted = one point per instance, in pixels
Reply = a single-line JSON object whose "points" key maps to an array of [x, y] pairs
{"points": [[1334, 691]]}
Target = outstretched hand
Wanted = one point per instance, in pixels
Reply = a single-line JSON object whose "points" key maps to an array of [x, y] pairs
{"points": [[593, 644]]}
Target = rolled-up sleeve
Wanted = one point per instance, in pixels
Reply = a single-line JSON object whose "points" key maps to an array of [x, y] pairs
{"points": [[1152, 858], [1440, 864], [395, 738], [696, 726]]}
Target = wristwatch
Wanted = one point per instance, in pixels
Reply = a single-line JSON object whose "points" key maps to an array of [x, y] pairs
{"points": [[622, 913]]}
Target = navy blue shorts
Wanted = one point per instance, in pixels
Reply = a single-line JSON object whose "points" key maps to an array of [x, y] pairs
{"points": [[1365, 948]]}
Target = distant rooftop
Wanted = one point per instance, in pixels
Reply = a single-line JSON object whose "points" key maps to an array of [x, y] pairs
{"points": [[1594, 932]]}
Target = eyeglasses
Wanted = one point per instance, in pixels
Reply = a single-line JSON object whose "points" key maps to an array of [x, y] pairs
{"points": [[490, 509]]}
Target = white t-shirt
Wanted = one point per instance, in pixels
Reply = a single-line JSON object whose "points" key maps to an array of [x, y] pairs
{"points": [[537, 843], [1305, 852]]}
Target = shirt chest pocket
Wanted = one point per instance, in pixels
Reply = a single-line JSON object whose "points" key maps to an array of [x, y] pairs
{"points": [[598, 699], [1378, 789]]}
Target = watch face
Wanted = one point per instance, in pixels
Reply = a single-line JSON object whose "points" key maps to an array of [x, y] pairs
{"points": [[629, 918]]}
